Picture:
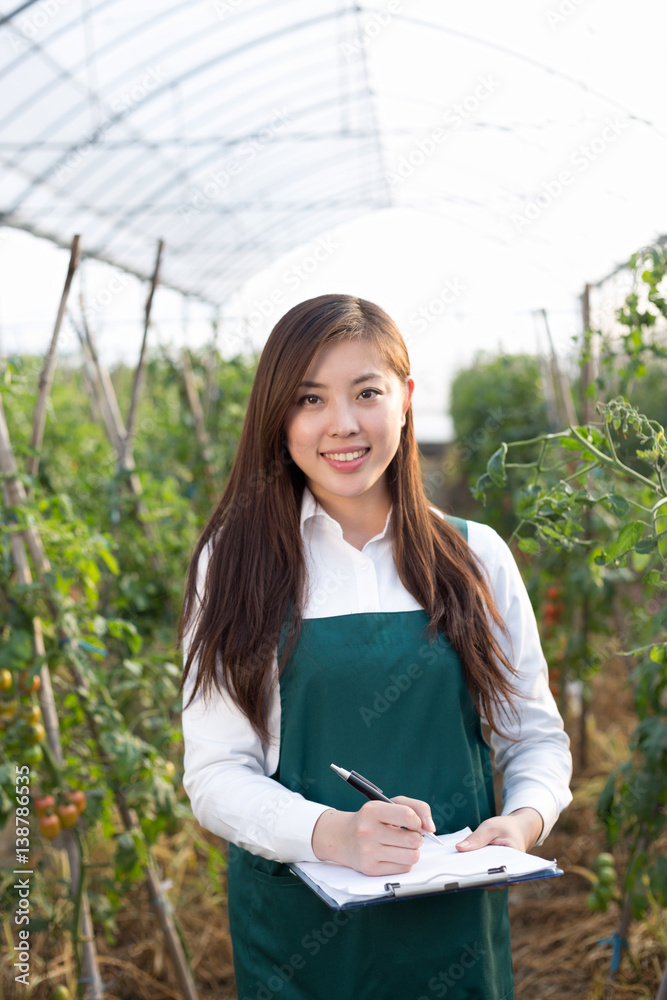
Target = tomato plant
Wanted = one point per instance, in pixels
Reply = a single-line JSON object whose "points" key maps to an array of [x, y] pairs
{"points": [[616, 471], [107, 608]]}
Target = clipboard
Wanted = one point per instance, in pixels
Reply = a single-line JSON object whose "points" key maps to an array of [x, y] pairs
{"points": [[448, 884], [435, 874]]}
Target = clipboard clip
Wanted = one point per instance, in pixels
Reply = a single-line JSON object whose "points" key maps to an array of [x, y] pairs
{"points": [[449, 883]]}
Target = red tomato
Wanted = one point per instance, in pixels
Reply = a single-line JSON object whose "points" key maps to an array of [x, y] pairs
{"points": [[29, 684], [49, 826], [68, 814], [43, 805], [77, 799]]}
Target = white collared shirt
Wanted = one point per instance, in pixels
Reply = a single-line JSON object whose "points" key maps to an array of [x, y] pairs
{"points": [[227, 767]]}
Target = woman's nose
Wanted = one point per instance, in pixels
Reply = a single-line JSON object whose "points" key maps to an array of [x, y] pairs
{"points": [[342, 420]]}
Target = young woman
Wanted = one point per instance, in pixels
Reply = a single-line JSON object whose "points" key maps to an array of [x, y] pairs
{"points": [[332, 615]]}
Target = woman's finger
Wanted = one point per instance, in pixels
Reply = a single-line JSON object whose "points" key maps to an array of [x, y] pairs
{"points": [[421, 808]]}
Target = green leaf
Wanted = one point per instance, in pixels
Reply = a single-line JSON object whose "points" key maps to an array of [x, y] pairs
{"points": [[480, 488], [619, 505], [109, 561], [646, 545], [496, 466], [659, 654], [629, 535], [530, 545]]}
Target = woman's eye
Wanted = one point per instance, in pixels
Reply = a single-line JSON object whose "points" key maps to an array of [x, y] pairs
{"points": [[369, 393], [308, 400]]}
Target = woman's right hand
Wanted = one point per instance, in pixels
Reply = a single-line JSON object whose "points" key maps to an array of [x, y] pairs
{"points": [[372, 840]]}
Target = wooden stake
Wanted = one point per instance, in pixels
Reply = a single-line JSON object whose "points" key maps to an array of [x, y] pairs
{"points": [[97, 389], [138, 375], [113, 422], [46, 377], [587, 370], [559, 377], [117, 434], [585, 603], [210, 365], [198, 415], [662, 991]]}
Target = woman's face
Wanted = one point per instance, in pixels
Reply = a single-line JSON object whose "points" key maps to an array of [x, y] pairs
{"points": [[344, 426]]}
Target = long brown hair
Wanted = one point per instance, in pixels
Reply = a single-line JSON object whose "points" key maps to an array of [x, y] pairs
{"points": [[256, 573]]}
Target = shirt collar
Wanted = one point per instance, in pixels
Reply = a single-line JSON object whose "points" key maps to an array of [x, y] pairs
{"points": [[311, 509]]}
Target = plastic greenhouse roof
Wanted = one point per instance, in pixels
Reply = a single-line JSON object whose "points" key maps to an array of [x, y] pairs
{"points": [[237, 130]]}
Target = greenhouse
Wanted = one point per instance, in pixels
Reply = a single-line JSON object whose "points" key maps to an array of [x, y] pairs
{"points": [[380, 290]]}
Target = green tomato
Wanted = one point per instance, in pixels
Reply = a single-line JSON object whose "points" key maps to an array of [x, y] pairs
{"points": [[32, 755], [605, 860], [606, 876], [594, 903], [61, 993]]}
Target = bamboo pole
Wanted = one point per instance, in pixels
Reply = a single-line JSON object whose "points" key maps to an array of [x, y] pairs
{"points": [[559, 377], [92, 383], [662, 989], [113, 422], [97, 389], [16, 496], [585, 605], [210, 365], [46, 377], [115, 419], [13, 490], [201, 433], [138, 375], [587, 370]]}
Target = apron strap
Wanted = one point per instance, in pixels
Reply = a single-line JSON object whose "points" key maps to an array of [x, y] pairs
{"points": [[458, 523]]}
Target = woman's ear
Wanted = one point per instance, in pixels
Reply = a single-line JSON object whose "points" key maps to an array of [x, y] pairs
{"points": [[409, 389]]}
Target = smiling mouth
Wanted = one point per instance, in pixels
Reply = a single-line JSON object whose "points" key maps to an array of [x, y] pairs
{"points": [[345, 456]]}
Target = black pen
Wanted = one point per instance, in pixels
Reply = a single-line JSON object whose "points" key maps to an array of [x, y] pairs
{"points": [[372, 791]]}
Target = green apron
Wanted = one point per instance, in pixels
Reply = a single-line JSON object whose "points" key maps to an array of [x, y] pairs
{"points": [[373, 693]]}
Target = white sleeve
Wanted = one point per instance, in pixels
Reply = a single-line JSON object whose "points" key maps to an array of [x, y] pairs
{"points": [[226, 775], [537, 769]]}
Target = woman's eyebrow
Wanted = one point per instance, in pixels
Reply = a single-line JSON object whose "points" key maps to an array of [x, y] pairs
{"points": [[307, 384]]}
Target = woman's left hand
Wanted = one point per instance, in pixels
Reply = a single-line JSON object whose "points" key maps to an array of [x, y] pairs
{"points": [[520, 830]]}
